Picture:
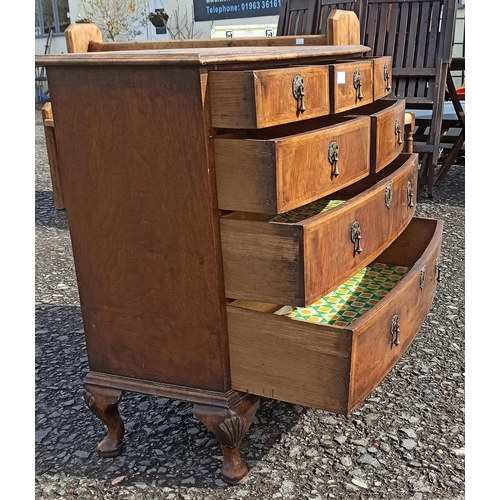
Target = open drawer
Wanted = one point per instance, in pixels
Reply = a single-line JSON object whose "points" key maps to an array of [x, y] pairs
{"points": [[281, 168], [296, 257], [387, 130], [334, 362]]}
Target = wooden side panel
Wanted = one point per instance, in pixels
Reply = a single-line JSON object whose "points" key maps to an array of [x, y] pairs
{"points": [[53, 156], [374, 350], [382, 77], [292, 361], [380, 226], [344, 95], [143, 222], [258, 99], [274, 175], [343, 28], [80, 35]]}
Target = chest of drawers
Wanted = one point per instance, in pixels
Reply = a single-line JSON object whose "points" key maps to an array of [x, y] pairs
{"points": [[242, 224]]}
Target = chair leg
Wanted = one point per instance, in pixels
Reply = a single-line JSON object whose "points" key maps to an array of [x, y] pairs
{"points": [[450, 158]]}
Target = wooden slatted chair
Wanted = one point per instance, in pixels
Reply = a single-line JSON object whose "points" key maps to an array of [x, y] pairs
{"points": [[296, 17], [325, 7], [418, 34]]}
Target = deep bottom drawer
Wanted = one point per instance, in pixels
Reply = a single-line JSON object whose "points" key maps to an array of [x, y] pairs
{"points": [[334, 362]]}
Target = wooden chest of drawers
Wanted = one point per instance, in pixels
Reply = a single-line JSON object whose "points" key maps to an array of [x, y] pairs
{"points": [[242, 223]]}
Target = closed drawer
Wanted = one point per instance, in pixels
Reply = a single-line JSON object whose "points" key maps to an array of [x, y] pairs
{"points": [[278, 169], [331, 367], [295, 258], [351, 85], [387, 130], [382, 77], [263, 98]]}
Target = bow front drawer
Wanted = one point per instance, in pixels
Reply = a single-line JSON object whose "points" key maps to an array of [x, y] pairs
{"points": [[382, 77], [296, 257], [332, 355], [387, 130], [263, 98], [281, 168], [351, 85]]}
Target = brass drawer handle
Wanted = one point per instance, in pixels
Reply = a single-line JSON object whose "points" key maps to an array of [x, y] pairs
{"points": [[394, 329], [423, 272], [386, 78], [298, 92], [357, 84], [333, 158], [397, 131], [388, 194], [409, 195], [356, 236]]}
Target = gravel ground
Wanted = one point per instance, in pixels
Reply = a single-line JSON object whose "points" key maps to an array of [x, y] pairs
{"points": [[406, 441]]}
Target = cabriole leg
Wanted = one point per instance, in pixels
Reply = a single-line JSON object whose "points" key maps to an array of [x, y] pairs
{"points": [[229, 426], [103, 402]]}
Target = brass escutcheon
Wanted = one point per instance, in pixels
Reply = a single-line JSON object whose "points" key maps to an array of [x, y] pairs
{"points": [[388, 194], [356, 236], [357, 84], [386, 78], [333, 158], [395, 330], [298, 92]]}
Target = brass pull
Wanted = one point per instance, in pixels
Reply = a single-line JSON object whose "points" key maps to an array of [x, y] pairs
{"points": [[409, 195], [437, 270], [356, 236], [386, 78], [357, 84], [388, 194], [333, 158], [423, 272], [397, 131], [298, 92], [395, 330]]}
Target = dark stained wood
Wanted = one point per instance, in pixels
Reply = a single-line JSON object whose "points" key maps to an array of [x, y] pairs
{"points": [[144, 270], [328, 367], [296, 17], [291, 263], [281, 168]]}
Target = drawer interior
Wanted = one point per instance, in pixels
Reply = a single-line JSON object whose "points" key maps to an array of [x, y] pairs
{"points": [[366, 288]]}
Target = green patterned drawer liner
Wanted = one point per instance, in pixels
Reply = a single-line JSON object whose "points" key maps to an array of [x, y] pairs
{"points": [[353, 298], [306, 211]]}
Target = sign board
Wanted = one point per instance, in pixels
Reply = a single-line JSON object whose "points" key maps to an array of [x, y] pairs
{"points": [[212, 10]]}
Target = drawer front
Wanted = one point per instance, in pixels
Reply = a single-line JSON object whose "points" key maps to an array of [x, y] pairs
{"points": [[263, 98], [290, 263], [351, 85], [330, 367], [387, 117], [262, 173], [382, 77]]}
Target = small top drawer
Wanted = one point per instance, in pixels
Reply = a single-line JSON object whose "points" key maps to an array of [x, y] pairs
{"points": [[382, 76], [263, 98], [351, 85]]}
